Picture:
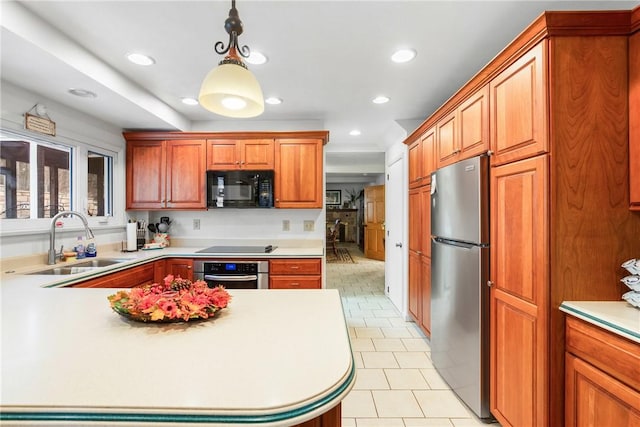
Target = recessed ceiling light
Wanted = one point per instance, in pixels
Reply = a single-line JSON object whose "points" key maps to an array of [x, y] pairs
{"points": [[189, 101], [380, 99], [140, 59], [355, 132], [272, 100], [256, 58], [82, 93], [403, 55]]}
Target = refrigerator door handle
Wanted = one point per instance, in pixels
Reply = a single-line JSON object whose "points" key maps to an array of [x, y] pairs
{"points": [[434, 184], [457, 243]]}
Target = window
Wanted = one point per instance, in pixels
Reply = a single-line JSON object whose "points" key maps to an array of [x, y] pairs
{"points": [[99, 184], [36, 179]]}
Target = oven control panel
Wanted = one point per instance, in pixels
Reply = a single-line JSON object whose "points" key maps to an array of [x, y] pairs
{"points": [[230, 268]]}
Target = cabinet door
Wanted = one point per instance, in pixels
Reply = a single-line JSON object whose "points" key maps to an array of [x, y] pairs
{"points": [[447, 140], [519, 108], [298, 173], [295, 266], [634, 119], [425, 294], [179, 267], [222, 154], [428, 144], [519, 295], [295, 282], [145, 175], [473, 122], [425, 220], [593, 398], [415, 164], [415, 271], [415, 221], [257, 154], [186, 186], [129, 278]]}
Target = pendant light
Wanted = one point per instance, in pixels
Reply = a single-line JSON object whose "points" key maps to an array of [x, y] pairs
{"points": [[230, 89]]}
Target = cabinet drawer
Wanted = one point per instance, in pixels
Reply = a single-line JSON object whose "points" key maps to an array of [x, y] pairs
{"points": [[294, 282], [129, 278], [295, 266], [614, 355]]}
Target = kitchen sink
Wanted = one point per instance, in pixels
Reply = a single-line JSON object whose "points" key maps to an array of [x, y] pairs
{"points": [[81, 267]]}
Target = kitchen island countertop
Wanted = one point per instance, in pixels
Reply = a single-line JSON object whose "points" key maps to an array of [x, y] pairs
{"points": [[273, 357], [618, 317]]}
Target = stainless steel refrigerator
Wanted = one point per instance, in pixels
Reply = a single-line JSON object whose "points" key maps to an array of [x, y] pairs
{"points": [[460, 271]]}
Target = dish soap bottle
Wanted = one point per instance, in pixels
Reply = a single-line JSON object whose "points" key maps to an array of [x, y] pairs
{"points": [[90, 251], [80, 248]]}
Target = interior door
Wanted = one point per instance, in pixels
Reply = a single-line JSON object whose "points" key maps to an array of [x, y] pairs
{"points": [[374, 238], [394, 268]]}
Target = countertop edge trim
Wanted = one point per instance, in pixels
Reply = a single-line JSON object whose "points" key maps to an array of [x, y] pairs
{"points": [[327, 401], [612, 327]]}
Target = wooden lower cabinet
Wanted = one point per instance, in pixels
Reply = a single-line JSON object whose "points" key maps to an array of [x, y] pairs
{"points": [[420, 257], [179, 267], [602, 378], [518, 304], [129, 278], [303, 273]]}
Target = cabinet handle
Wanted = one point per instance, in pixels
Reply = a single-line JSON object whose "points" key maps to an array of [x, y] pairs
{"points": [[295, 267], [188, 267], [490, 153], [294, 284], [242, 162], [456, 152], [237, 162], [489, 283]]}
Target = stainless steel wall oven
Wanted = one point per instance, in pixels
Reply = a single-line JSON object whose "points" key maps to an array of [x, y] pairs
{"points": [[233, 274]]}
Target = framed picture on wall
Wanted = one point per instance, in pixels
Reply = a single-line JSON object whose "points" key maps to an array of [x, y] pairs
{"points": [[333, 197]]}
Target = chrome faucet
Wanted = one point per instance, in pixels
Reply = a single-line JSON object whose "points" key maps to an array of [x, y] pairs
{"points": [[53, 255]]}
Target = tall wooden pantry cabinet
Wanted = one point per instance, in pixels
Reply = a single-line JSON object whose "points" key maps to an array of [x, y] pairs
{"points": [[560, 221]]}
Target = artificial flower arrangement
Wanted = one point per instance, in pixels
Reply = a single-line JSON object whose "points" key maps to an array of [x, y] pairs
{"points": [[173, 300]]}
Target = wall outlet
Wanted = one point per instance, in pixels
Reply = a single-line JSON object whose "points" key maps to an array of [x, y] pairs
{"points": [[196, 224], [309, 225], [286, 225]]}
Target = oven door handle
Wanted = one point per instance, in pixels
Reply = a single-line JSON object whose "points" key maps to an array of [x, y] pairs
{"points": [[230, 278]]}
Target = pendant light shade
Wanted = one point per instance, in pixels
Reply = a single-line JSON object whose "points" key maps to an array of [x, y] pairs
{"points": [[230, 89]]}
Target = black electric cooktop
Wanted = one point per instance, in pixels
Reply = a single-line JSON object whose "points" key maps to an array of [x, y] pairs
{"points": [[237, 249]]}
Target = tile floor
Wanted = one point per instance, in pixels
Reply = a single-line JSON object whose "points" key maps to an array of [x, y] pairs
{"points": [[396, 383]]}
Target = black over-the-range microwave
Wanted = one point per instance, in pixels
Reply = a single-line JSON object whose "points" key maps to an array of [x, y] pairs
{"points": [[240, 189]]}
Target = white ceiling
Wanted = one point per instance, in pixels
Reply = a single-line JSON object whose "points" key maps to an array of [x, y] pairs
{"points": [[327, 61]]}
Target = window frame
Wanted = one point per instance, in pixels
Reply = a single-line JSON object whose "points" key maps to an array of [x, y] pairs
{"points": [[78, 167]]}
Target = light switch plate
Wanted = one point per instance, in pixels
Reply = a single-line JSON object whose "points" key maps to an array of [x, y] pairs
{"points": [[196, 224], [308, 225], [286, 225]]}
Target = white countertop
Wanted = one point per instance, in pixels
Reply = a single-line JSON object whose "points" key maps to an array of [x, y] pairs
{"points": [[276, 357], [618, 317]]}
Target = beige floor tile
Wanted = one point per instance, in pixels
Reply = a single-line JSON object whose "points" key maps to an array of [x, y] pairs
{"points": [[362, 344], [434, 379], [361, 313], [379, 422], [349, 422], [396, 403], [371, 379], [441, 404], [368, 333], [377, 322], [413, 359], [379, 359], [396, 332], [388, 344], [471, 422], [370, 305], [426, 422], [357, 359], [385, 313], [358, 403], [406, 379], [416, 344], [356, 322]]}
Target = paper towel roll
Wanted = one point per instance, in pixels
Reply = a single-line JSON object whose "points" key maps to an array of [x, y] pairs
{"points": [[131, 236]]}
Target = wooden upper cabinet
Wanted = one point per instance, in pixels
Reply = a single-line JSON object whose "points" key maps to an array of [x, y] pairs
{"points": [[229, 154], [634, 120], [519, 108], [421, 159], [473, 124], [447, 140], [186, 178], [415, 164], [146, 171], [166, 174], [298, 173], [464, 133]]}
